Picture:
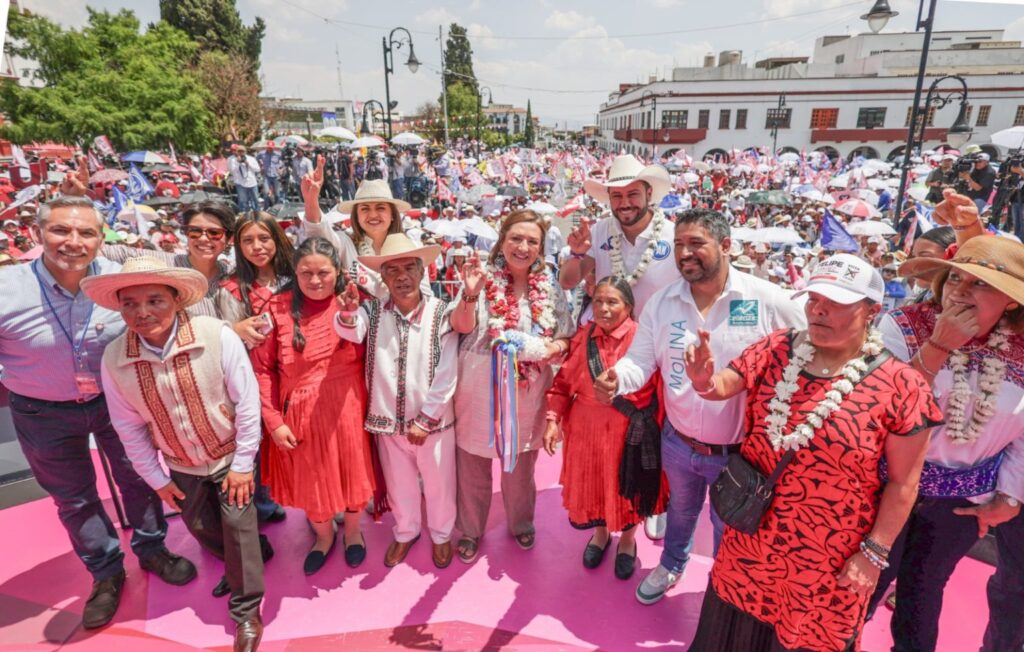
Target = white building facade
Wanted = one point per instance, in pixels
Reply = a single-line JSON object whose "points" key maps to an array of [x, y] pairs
{"points": [[853, 96]]}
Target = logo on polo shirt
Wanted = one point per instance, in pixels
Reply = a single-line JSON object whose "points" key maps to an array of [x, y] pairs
{"points": [[743, 312], [662, 251], [607, 246]]}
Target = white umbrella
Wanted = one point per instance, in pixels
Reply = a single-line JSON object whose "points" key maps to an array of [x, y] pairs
{"points": [[857, 208], [813, 195], [338, 132], [334, 216], [922, 169], [869, 228], [775, 234], [367, 141], [290, 140], [838, 181], [1012, 138], [878, 184], [742, 168], [742, 233], [701, 166], [867, 195], [408, 138], [918, 192], [542, 207], [445, 228], [476, 226], [690, 177], [877, 164], [789, 156]]}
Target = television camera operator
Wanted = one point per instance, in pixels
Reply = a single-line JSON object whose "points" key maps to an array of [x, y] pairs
{"points": [[975, 178], [941, 177]]}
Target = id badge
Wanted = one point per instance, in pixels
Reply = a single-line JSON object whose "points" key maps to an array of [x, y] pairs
{"points": [[87, 383]]}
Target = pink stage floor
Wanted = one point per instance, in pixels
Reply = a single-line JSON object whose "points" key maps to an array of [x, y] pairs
{"points": [[509, 599]]}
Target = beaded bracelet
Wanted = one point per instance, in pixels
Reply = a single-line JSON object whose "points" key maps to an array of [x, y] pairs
{"points": [[877, 548], [938, 347], [873, 558]]}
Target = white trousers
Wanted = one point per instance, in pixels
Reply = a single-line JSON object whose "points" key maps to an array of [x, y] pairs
{"points": [[403, 465]]}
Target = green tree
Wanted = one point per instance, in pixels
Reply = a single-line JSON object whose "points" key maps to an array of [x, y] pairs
{"points": [[216, 25], [233, 96], [460, 82], [528, 135], [458, 58], [107, 78]]}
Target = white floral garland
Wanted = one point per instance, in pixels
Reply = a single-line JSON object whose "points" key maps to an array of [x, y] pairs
{"points": [[500, 302], [619, 266], [990, 380], [778, 417]]}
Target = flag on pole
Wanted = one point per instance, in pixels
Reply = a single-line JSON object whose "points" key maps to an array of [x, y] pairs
{"points": [[94, 162], [834, 236], [173, 157], [139, 186]]}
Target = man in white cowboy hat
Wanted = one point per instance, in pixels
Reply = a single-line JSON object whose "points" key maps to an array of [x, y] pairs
{"points": [[183, 387], [411, 368], [636, 242]]}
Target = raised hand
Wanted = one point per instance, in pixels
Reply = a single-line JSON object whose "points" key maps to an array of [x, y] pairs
{"points": [[473, 276], [956, 326], [606, 386], [579, 238], [348, 301], [76, 182], [700, 362], [955, 210], [313, 181]]}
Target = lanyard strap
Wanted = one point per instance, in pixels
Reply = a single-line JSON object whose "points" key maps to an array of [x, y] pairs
{"points": [[76, 348]]}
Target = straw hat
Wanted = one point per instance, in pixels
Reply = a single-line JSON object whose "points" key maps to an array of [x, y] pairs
{"points": [[373, 191], [625, 170], [398, 245], [995, 260], [743, 262], [145, 270]]}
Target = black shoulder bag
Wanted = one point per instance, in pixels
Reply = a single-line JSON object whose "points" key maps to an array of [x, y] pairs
{"points": [[741, 494]]}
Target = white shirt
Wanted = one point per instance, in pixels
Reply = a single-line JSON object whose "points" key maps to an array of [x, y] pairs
{"points": [[243, 173], [660, 273], [747, 311], [242, 388], [1004, 430]]}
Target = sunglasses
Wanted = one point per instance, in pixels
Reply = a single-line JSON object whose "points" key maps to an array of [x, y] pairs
{"points": [[195, 232]]}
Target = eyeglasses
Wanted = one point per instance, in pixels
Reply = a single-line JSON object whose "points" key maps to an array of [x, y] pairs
{"points": [[195, 232]]}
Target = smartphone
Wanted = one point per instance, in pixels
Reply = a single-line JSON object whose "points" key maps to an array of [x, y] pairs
{"points": [[265, 323]]}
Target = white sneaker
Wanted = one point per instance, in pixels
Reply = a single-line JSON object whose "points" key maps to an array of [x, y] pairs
{"points": [[654, 526], [656, 584]]}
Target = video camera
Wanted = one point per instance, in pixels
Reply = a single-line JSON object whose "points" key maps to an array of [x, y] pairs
{"points": [[1013, 161], [966, 163]]}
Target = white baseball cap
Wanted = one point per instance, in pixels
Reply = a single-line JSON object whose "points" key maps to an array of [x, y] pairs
{"points": [[846, 279]]}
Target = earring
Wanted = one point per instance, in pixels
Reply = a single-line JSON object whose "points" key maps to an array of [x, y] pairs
{"points": [[1010, 307]]}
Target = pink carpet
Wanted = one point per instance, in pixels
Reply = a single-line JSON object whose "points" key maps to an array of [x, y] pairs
{"points": [[509, 599]]}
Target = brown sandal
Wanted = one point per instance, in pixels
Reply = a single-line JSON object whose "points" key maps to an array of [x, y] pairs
{"points": [[469, 549], [526, 541]]}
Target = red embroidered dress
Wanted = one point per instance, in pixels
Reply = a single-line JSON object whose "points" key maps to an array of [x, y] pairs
{"points": [[825, 502]]}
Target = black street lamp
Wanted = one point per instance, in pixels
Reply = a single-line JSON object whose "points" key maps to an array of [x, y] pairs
{"points": [[389, 67], [479, 110], [960, 132], [654, 116], [777, 119], [364, 128]]}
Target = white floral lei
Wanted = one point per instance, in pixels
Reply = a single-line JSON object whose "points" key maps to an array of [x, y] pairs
{"points": [[990, 380], [503, 307], [619, 267], [801, 435]]}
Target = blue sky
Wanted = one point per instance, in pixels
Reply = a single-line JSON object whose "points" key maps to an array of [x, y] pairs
{"points": [[565, 56]]}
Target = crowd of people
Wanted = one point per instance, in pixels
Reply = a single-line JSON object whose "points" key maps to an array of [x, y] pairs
{"points": [[676, 328]]}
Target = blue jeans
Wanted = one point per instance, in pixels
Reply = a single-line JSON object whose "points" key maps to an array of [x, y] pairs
{"points": [[55, 441], [1017, 219], [248, 198], [398, 187], [1005, 629], [689, 475], [271, 190]]}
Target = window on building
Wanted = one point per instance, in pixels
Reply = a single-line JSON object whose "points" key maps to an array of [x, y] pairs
{"points": [[840, 58], [778, 118], [930, 122], [968, 113], [1018, 119], [871, 118], [983, 112], [723, 118], [703, 118], [674, 119], [824, 118], [741, 118]]}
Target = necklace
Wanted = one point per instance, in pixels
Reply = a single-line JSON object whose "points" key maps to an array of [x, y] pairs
{"points": [[778, 417], [990, 379], [619, 267], [503, 306]]}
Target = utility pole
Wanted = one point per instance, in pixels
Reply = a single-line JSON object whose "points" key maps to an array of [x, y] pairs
{"points": [[444, 86]]}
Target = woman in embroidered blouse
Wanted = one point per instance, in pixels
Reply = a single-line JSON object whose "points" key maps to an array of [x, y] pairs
{"points": [[802, 580], [314, 400], [524, 300], [599, 489], [968, 342]]}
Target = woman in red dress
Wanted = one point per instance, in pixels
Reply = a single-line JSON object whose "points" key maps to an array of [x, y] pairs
{"points": [[605, 483], [833, 394], [314, 402]]}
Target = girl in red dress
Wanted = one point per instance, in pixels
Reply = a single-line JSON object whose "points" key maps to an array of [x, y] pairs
{"points": [[314, 401], [605, 483]]}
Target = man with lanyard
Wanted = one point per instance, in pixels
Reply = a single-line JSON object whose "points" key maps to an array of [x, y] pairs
{"points": [[980, 181], [635, 243], [939, 178], [738, 310], [52, 339]]}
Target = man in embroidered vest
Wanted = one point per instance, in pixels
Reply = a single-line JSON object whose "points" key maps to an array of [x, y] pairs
{"points": [[411, 366], [184, 387]]}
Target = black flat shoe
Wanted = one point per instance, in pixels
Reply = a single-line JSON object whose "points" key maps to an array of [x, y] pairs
{"points": [[266, 550], [625, 565], [315, 560], [593, 555], [222, 588], [355, 554], [276, 516]]}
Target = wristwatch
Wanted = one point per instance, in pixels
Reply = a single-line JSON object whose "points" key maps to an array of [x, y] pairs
{"points": [[1010, 500]]}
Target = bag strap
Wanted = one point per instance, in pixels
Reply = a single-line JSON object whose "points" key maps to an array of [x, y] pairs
{"points": [[596, 368], [873, 363]]}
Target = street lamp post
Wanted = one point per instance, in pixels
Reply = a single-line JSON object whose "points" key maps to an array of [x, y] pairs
{"points": [[654, 116], [479, 110], [389, 67], [775, 125], [960, 132], [364, 129]]}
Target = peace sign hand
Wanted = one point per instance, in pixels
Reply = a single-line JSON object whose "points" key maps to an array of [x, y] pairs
{"points": [[313, 181], [348, 300], [473, 276], [76, 182], [579, 238], [700, 361]]}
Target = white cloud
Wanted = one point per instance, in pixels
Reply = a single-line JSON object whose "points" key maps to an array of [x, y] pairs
{"points": [[666, 4], [437, 16], [482, 38], [568, 21], [1015, 30]]}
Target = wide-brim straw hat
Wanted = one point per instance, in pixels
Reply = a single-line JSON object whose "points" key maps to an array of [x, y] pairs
{"points": [[373, 191], [190, 284], [996, 260], [398, 246], [625, 170]]}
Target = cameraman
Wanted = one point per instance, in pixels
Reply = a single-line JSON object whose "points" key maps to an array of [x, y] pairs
{"points": [[270, 164], [1017, 198], [243, 169], [939, 178], [979, 181]]}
